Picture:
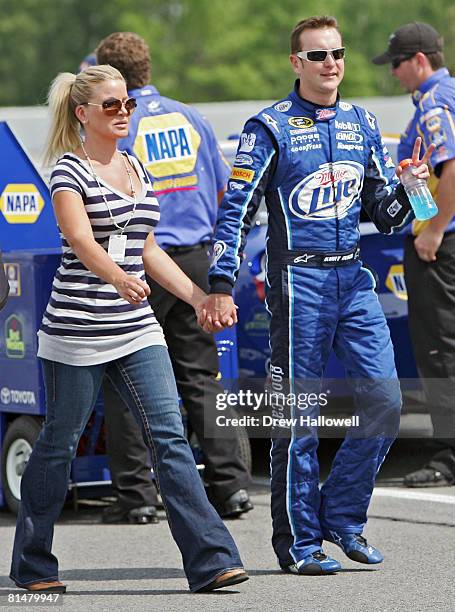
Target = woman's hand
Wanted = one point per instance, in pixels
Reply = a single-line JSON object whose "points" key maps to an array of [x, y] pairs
{"points": [[131, 288], [216, 312]]}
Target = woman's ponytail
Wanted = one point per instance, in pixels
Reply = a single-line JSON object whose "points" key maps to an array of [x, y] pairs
{"points": [[64, 130]]}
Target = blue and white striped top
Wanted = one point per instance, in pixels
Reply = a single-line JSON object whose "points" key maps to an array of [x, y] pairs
{"points": [[86, 322]]}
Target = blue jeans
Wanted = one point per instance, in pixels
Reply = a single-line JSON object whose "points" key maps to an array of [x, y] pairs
{"points": [[146, 383]]}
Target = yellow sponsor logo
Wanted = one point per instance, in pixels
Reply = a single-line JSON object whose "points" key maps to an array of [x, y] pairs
{"points": [[167, 144], [21, 203], [242, 174], [175, 183], [301, 122], [433, 124], [395, 282]]}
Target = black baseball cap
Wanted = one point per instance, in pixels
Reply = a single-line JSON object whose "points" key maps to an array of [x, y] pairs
{"points": [[409, 40]]}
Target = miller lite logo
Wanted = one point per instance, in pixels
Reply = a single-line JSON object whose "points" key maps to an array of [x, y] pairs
{"points": [[327, 193], [324, 114]]}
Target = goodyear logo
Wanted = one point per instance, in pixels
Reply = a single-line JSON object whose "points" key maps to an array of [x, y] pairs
{"points": [[301, 122], [21, 203], [243, 174], [167, 145], [395, 282]]}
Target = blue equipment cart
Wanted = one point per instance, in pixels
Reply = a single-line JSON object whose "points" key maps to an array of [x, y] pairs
{"points": [[30, 243]]}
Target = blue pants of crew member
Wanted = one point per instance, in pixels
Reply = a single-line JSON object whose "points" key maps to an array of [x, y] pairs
{"points": [[145, 381], [314, 310]]}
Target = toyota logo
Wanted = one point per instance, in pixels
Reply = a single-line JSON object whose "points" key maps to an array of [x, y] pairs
{"points": [[5, 395]]}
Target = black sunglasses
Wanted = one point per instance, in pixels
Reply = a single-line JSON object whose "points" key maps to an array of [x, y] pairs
{"points": [[113, 105], [319, 55], [398, 60]]}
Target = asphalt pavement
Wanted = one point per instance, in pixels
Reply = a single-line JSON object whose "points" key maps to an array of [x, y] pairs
{"points": [[125, 567]]}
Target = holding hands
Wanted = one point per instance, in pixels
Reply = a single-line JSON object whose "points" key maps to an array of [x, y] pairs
{"points": [[216, 312]]}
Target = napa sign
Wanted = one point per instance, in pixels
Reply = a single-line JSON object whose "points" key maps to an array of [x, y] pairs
{"points": [[21, 203]]}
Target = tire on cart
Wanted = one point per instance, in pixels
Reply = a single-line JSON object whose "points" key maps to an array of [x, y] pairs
{"points": [[245, 447], [19, 440]]}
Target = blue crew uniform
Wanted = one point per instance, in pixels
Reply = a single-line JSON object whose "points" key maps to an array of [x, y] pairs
{"points": [[431, 299], [180, 152], [316, 167], [434, 122]]}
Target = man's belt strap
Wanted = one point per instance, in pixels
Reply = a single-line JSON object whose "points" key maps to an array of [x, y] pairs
{"points": [[316, 259]]}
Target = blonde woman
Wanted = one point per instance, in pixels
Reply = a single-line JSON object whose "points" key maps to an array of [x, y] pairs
{"points": [[98, 322]]}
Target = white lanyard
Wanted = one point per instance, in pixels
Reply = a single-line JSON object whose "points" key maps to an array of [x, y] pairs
{"points": [[133, 192]]}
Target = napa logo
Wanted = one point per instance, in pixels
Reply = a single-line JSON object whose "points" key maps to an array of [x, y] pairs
{"points": [[395, 282], [167, 144], [21, 203], [327, 193]]}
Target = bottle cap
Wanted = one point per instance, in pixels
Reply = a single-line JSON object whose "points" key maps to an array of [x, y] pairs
{"points": [[405, 163]]}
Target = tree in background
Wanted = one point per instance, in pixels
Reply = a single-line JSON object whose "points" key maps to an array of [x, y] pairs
{"points": [[202, 50]]}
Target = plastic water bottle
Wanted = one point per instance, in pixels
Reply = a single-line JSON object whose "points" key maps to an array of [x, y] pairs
{"points": [[418, 193]]}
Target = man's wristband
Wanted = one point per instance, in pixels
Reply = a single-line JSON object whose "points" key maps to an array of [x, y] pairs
{"points": [[221, 285]]}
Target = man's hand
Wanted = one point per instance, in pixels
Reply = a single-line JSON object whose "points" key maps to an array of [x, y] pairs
{"points": [[216, 312], [421, 168], [427, 243]]}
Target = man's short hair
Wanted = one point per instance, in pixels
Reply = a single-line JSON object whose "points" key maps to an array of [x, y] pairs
{"points": [[312, 23], [436, 59], [129, 53]]}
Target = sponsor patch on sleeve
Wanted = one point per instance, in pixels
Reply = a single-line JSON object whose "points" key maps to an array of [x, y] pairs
{"points": [[247, 142], [431, 113], [218, 249], [242, 174], [235, 185], [242, 159], [438, 138], [433, 124], [394, 208]]}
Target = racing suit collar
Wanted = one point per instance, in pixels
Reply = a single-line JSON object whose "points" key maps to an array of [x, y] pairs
{"points": [[428, 84], [147, 90], [317, 112]]}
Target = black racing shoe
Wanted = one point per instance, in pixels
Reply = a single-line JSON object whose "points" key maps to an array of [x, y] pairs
{"points": [[427, 477], [438, 472], [140, 516], [235, 505]]}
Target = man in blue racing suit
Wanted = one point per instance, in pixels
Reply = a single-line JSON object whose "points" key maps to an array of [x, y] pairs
{"points": [[317, 161]]}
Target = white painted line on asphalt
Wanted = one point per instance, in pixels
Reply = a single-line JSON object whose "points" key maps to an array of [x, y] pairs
{"points": [[389, 492], [414, 495]]}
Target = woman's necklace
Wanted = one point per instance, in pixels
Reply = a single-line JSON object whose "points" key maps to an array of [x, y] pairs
{"points": [[133, 191]]}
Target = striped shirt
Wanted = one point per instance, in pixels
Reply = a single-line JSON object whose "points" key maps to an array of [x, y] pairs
{"points": [[86, 322]]}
